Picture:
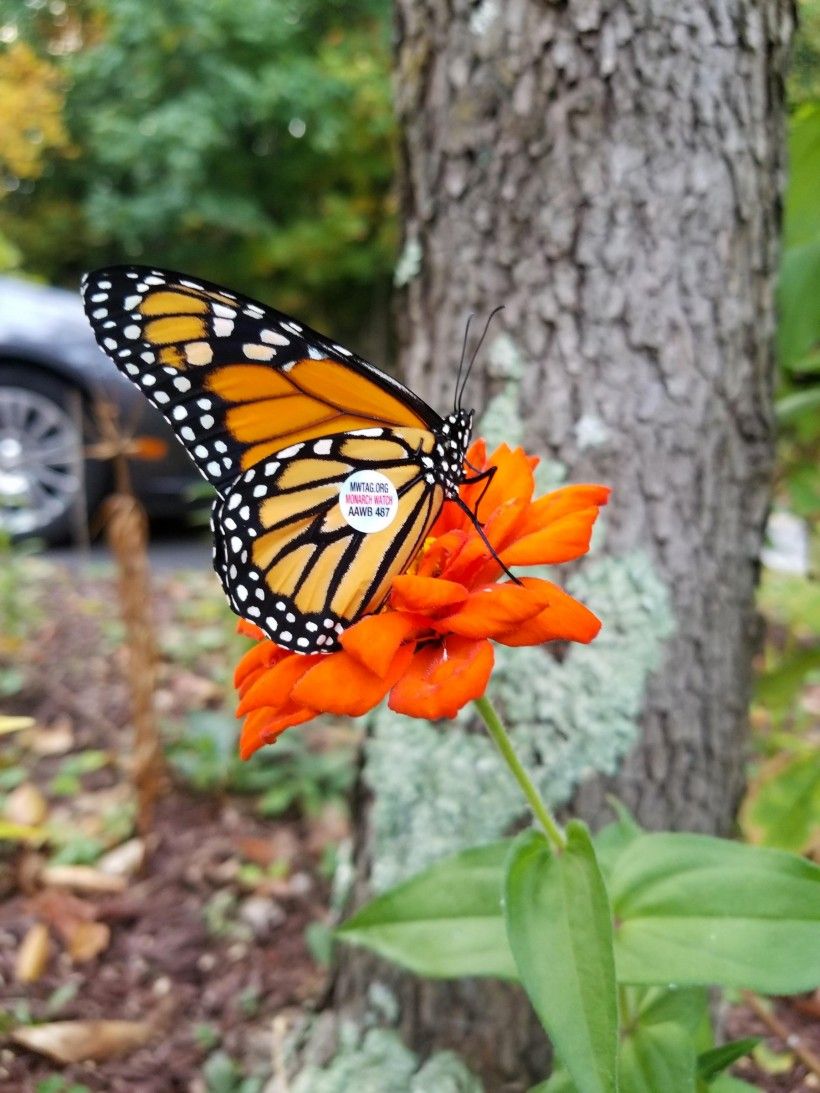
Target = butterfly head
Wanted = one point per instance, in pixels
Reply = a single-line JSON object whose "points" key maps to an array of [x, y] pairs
{"points": [[451, 448]]}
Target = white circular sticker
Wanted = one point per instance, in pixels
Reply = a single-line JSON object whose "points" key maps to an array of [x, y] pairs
{"points": [[368, 501]]}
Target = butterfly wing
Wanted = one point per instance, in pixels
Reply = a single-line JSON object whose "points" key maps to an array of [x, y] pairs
{"points": [[236, 380], [286, 552]]}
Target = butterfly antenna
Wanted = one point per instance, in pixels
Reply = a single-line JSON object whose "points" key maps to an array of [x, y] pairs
{"points": [[490, 318], [465, 508], [456, 400]]}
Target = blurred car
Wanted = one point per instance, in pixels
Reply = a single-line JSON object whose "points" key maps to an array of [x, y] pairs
{"points": [[51, 375]]}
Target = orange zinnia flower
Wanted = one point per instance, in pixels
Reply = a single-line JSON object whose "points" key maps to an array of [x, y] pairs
{"points": [[430, 647]]}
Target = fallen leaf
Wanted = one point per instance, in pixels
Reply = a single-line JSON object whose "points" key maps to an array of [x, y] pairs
{"points": [[33, 954], [80, 1041], [124, 860], [22, 833], [87, 940], [81, 877], [56, 739], [26, 805], [15, 724]]}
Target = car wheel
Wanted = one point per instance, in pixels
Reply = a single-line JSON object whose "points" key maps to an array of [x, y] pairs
{"points": [[42, 469]]}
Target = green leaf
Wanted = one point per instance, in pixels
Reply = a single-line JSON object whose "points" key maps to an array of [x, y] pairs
{"points": [[800, 404], [782, 808], [802, 219], [685, 1006], [728, 1083], [657, 1057], [694, 909], [560, 931], [798, 330], [445, 921], [711, 1063], [612, 839]]}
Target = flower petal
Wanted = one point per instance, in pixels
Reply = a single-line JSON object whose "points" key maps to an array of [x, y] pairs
{"points": [[561, 540], [492, 610], [340, 684], [260, 656], [374, 640], [264, 726], [424, 595], [563, 618], [442, 677], [566, 499], [274, 687], [250, 630]]}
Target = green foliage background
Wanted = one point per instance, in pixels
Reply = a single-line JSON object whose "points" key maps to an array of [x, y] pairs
{"points": [[249, 142]]}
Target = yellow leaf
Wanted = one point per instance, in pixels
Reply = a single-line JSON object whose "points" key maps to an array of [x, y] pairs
{"points": [[80, 1041], [32, 956]]}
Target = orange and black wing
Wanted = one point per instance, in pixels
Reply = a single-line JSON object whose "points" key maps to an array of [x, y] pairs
{"points": [[236, 380], [289, 559]]}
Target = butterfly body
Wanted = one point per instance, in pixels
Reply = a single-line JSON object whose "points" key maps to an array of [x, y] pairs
{"points": [[328, 472]]}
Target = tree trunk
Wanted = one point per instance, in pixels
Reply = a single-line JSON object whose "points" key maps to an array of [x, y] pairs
{"points": [[611, 172]]}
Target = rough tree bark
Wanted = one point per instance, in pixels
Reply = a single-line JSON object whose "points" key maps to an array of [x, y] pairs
{"points": [[610, 171]]}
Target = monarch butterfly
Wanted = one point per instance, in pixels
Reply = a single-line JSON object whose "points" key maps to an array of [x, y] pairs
{"points": [[328, 473]]}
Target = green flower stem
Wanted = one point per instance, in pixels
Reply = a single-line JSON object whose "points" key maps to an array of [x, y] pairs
{"points": [[504, 745]]}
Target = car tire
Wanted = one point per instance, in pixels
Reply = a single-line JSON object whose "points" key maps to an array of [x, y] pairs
{"points": [[43, 473]]}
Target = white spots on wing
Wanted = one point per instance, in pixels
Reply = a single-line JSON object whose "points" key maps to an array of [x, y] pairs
{"points": [[271, 622], [242, 592], [311, 626], [234, 500], [132, 370], [260, 490], [223, 327], [206, 421], [260, 592], [250, 475], [214, 469], [220, 446], [366, 432], [254, 611], [132, 332], [224, 312], [100, 313], [329, 623], [244, 513], [147, 356], [201, 451], [130, 302], [341, 349], [198, 353], [273, 338], [323, 447], [155, 279], [286, 453], [272, 468], [149, 380], [287, 367], [236, 543], [204, 403], [290, 617], [109, 343], [293, 327], [316, 354], [98, 297], [179, 413], [103, 284], [253, 310], [256, 352], [286, 636], [302, 641], [191, 284], [187, 433], [182, 383]]}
